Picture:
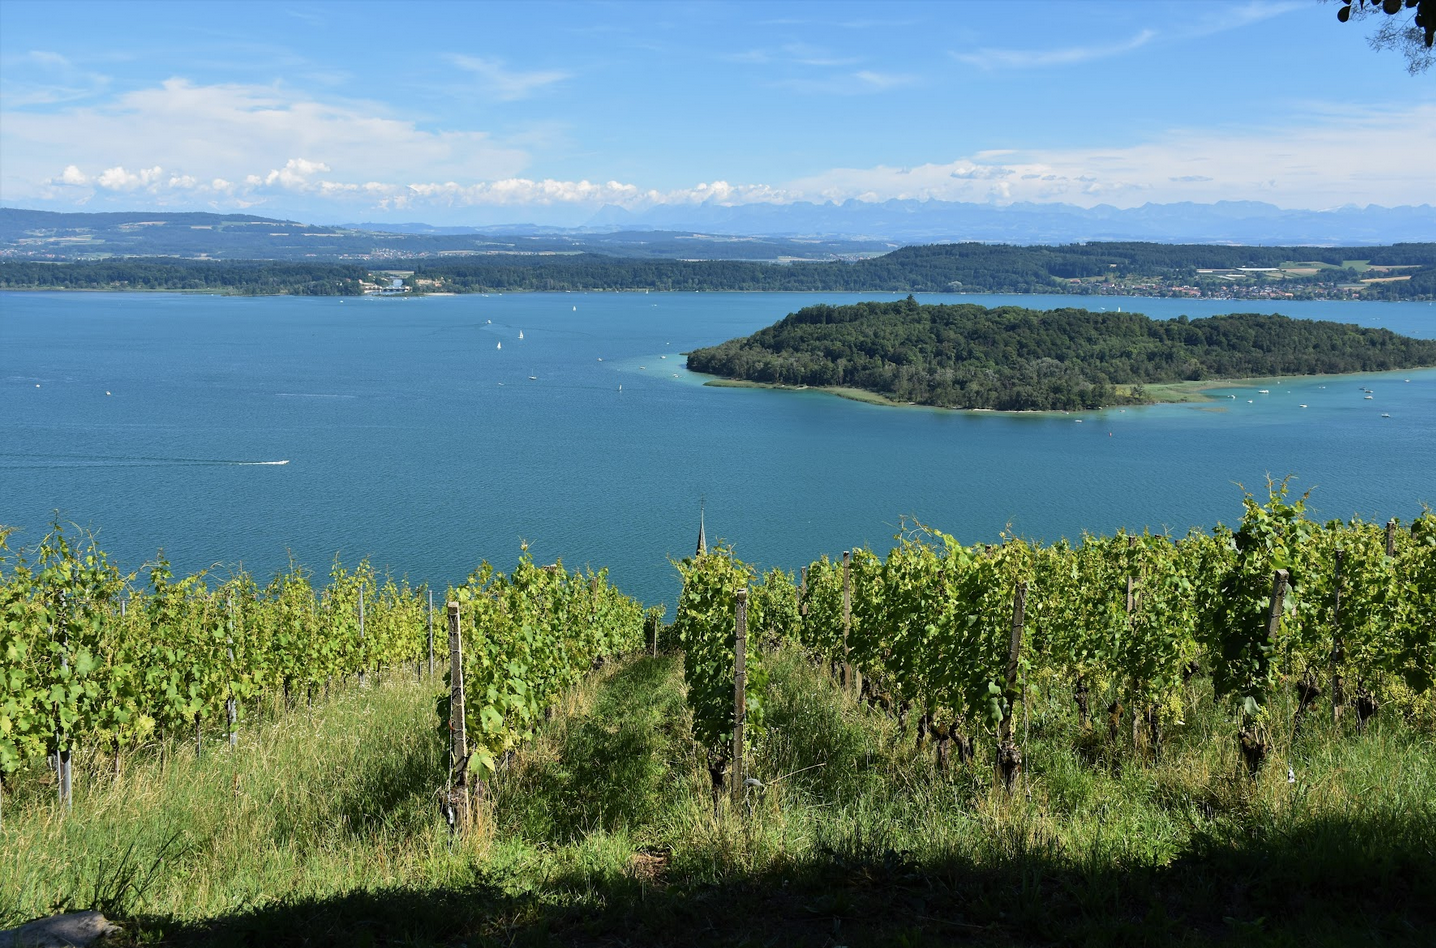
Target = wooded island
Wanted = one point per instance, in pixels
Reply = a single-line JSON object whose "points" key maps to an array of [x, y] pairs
{"points": [[1015, 359]]}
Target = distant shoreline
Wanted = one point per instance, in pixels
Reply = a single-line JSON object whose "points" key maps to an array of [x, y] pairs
{"points": [[416, 294]]}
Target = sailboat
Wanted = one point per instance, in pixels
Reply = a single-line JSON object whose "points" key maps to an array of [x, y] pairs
{"points": [[521, 333], [499, 346]]}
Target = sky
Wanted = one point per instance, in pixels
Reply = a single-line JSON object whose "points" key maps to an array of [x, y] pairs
{"points": [[490, 113]]}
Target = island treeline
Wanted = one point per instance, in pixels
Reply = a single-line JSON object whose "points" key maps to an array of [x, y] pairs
{"points": [[1399, 271], [1014, 359]]}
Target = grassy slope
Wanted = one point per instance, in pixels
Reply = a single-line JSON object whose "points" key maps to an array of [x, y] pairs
{"points": [[322, 829]]}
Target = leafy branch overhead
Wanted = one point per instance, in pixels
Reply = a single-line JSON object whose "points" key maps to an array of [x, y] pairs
{"points": [[1411, 36]]}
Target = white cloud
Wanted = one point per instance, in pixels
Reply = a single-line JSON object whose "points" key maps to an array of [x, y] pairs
{"points": [[796, 54], [118, 179], [50, 79], [239, 146], [296, 173], [507, 84], [1320, 160], [259, 135], [883, 81], [989, 58]]}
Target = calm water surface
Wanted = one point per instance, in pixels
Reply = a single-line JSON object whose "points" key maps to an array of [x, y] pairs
{"points": [[425, 434]]}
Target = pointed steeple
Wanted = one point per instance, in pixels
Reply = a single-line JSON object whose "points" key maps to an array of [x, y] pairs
{"points": [[702, 540]]}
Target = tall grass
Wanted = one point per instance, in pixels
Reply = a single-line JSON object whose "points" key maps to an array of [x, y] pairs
{"points": [[322, 827]]}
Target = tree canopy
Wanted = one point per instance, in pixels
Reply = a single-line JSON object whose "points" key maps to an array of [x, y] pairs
{"points": [[1010, 358]]}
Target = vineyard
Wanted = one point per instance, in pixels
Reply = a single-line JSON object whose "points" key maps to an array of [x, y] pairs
{"points": [[953, 639], [1223, 737], [92, 660]]}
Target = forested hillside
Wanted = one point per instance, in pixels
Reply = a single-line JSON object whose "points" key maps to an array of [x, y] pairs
{"points": [[1013, 359], [242, 278], [1400, 271]]}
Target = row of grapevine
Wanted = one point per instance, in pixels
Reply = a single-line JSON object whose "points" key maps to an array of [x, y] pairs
{"points": [[90, 659], [705, 627], [1344, 611], [526, 638]]}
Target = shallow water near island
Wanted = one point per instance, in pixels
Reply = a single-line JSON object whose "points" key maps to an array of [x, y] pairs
{"points": [[427, 435]]}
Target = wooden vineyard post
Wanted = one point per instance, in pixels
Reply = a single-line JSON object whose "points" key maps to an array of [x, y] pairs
{"points": [[653, 635], [1338, 652], [740, 695], [1009, 756], [847, 681], [361, 635], [1132, 685], [62, 754], [231, 708], [458, 808], [1391, 537], [803, 594], [431, 633]]}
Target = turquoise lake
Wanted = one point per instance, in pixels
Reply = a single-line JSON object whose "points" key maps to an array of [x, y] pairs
{"points": [[427, 435]]}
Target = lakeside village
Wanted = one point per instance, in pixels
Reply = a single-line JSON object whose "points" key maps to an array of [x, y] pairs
{"points": [[1294, 281]]}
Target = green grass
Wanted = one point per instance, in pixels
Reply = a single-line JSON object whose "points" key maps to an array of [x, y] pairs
{"points": [[322, 827]]}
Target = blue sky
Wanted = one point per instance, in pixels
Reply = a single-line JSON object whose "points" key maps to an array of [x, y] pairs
{"points": [[484, 113]]}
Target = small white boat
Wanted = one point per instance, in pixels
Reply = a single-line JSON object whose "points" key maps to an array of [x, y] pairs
{"points": [[663, 357], [533, 378], [499, 346], [1078, 420], [1369, 397], [1303, 406], [521, 333], [1385, 415], [620, 388], [1263, 391]]}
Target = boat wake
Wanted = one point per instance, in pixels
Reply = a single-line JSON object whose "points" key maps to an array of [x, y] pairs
{"points": [[15, 461], [312, 395]]}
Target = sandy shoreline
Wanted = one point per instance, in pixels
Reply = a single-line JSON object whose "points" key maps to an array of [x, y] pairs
{"points": [[1159, 393]]}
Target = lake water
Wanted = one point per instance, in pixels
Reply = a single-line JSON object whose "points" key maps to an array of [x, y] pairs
{"points": [[415, 435]]}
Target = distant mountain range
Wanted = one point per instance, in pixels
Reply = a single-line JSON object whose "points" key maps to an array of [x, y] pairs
{"points": [[786, 232], [1234, 222], [48, 235]]}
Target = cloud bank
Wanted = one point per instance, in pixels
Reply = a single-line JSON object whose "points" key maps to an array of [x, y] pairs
{"points": [[230, 146]]}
